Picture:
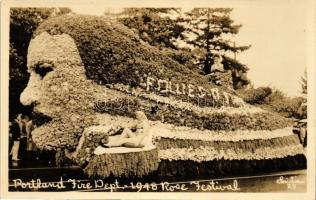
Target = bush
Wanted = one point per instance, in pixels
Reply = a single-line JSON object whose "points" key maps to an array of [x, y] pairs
{"points": [[255, 96], [276, 101]]}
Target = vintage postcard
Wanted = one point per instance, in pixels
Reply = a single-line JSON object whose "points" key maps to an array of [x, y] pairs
{"points": [[158, 99]]}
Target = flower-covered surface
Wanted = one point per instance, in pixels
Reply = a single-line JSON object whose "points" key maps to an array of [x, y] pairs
{"points": [[133, 164], [63, 94], [87, 71], [117, 164], [126, 106], [170, 131], [91, 138], [245, 145], [111, 53], [197, 145], [229, 101], [210, 153]]}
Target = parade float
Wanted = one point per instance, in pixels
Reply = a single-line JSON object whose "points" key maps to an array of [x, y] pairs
{"points": [[89, 75]]}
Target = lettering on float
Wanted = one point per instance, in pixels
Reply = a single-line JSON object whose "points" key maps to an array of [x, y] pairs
{"points": [[189, 90]]}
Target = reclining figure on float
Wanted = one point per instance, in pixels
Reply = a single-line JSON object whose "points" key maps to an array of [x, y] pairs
{"points": [[114, 144], [137, 137]]}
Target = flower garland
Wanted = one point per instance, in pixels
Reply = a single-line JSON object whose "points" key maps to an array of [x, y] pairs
{"points": [[210, 153], [212, 121], [242, 108], [247, 145], [170, 131]]}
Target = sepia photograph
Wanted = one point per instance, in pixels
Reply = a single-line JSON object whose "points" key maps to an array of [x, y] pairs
{"points": [[158, 100]]}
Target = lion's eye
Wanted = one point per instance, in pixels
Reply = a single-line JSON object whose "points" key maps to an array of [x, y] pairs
{"points": [[43, 69]]}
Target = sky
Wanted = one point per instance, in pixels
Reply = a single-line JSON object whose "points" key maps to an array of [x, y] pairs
{"points": [[277, 35], [277, 57]]}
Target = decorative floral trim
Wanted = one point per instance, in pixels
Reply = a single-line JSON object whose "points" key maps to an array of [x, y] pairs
{"points": [[209, 153], [166, 130], [242, 108], [134, 164], [246, 145], [186, 133], [212, 121], [90, 139]]}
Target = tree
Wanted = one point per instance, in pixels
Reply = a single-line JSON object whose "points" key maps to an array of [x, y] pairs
{"points": [[203, 28], [23, 22], [158, 27], [304, 82], [255, 96], [274, 100], [154, 25], [303, 107], [208, 29]]}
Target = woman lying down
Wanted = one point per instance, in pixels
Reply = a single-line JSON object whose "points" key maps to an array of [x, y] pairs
{"points": [[137, 137]]}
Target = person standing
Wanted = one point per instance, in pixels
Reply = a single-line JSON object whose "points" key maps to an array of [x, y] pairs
{"points": [[30, 145], [16, 136]]}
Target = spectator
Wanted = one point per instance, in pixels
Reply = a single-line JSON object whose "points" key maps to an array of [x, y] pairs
{"points": [[30, 145], [16, 136]]}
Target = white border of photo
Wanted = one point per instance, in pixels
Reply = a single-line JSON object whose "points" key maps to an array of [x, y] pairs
{"points": [[89, 4]]}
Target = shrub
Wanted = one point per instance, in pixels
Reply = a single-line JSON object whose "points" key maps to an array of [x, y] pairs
{"points": [[255, 96]]}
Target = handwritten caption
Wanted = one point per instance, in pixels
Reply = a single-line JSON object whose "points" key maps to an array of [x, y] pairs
{"points": [[74, 184], [291, 182]]}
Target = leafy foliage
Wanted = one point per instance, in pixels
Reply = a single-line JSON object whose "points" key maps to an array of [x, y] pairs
{"points": [[303, 108], [204, 28], [156, 27], [152, 26], [304, 83], [255, 96], [275, 100], [207, 28], [284, 105]]}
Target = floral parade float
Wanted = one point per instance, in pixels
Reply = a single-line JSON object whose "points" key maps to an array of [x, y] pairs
{"points": [[88, 77]]}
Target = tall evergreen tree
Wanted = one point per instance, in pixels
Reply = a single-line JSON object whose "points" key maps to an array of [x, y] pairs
{"points": [[304, 83], [158, 27], [208, 30], [154, 25], [303, 107]]}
